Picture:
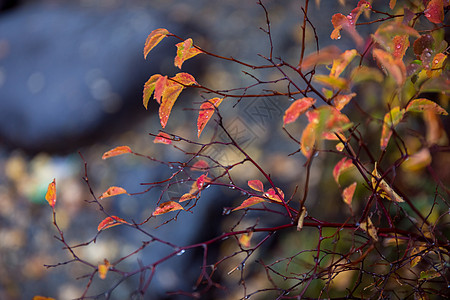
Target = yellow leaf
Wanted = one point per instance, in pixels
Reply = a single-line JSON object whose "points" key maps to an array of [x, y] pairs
{"points": [[149, 87], [186, 197], [342, 62], [50, 196], [384, 189], [422, 104], [368, 227], [301, 218], [116, 151], [103, 269], [418, 160], [391, 119], [245, 238]]}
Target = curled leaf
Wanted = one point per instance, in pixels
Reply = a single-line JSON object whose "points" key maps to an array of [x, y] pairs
{"points": [[149, 87], [301, 218], [249, 202], [116, 151], [343, 165], [110, 222], [153, 39], [273, 195], [391, 119], [50, 196], [422, 104], [113, 191], [167, 207], [206, 111], [384, 189], [297, 108], [256, 185], [186, 197], [368, 227], [162, 138], [185, 51], [308, 139]]}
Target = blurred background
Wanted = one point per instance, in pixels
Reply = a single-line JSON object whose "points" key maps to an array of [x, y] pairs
{"points": [[71, 79]]}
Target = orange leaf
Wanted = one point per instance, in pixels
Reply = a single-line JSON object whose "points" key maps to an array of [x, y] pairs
{"points": [[347, 193], [200, 165], [206, 111], [272, 195], [249, 202], [42, 298], [391, 119], [149, 87], [308, 139], [436, 65], [323, 57], [50, 196], [392, 4], [343, 165], [167, 207], [162, 138], [401, 44], [186, 197], [435, 11], [256, 184], [110, 222], [153, 39], [170, 94], [435, 129], [116, 151], [245, 238], [103, 269], [185, 51], [297, 108], [395, 67], [422, 104], [340, 101], [113, 191]]}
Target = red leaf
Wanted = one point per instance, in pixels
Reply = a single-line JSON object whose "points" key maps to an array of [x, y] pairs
{"points": [[200, 165], [202, 180], [435, 11], [343, 165], [162, 138], [113, 191], [185, 51], [249, 202], [391, 119], [167, 207], [149, 87], [186, 197], [153, 39], [110, 222], [422, 104], [347, 194], [160, 86], [297, 108], [116, 151], [170, 94], [272, 195], [401, 44], [340, 101], [256, 184], [50, 196], [206, 111], [395, 67]]}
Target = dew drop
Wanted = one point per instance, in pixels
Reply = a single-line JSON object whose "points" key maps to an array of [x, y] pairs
{"points": [[181, 252], [226, 211], [176, 138], [339, 37], [398, 46]]}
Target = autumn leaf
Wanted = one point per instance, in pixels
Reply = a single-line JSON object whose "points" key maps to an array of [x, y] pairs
{"points": [[113, 191], [429, 274], [364, 73], [391, 119], [186, 197], [160, 87], [256, 185], [245, 239], [384, 190], [103, 269], [396, 68], [149, 87], [50, 196], [392, 4], [116, 151], [171, 91], [348, 23], [340, 101], [323, 57], [418, 160], [185, 51], [334, 82], [435, 129], [42, 298], [308, 139], [401, 44], [368, 227], [200, 165], [436, 65], [110, 222], [272, 195], [348, 192], [202, 180], [342, 62], [435, 11], [425, 42], [163, 138], [415, 256], [301, 218], [153, 39], [297, 108], [167, 207], [422, 104], [249, 202], [343, 165], [206, 111]]}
